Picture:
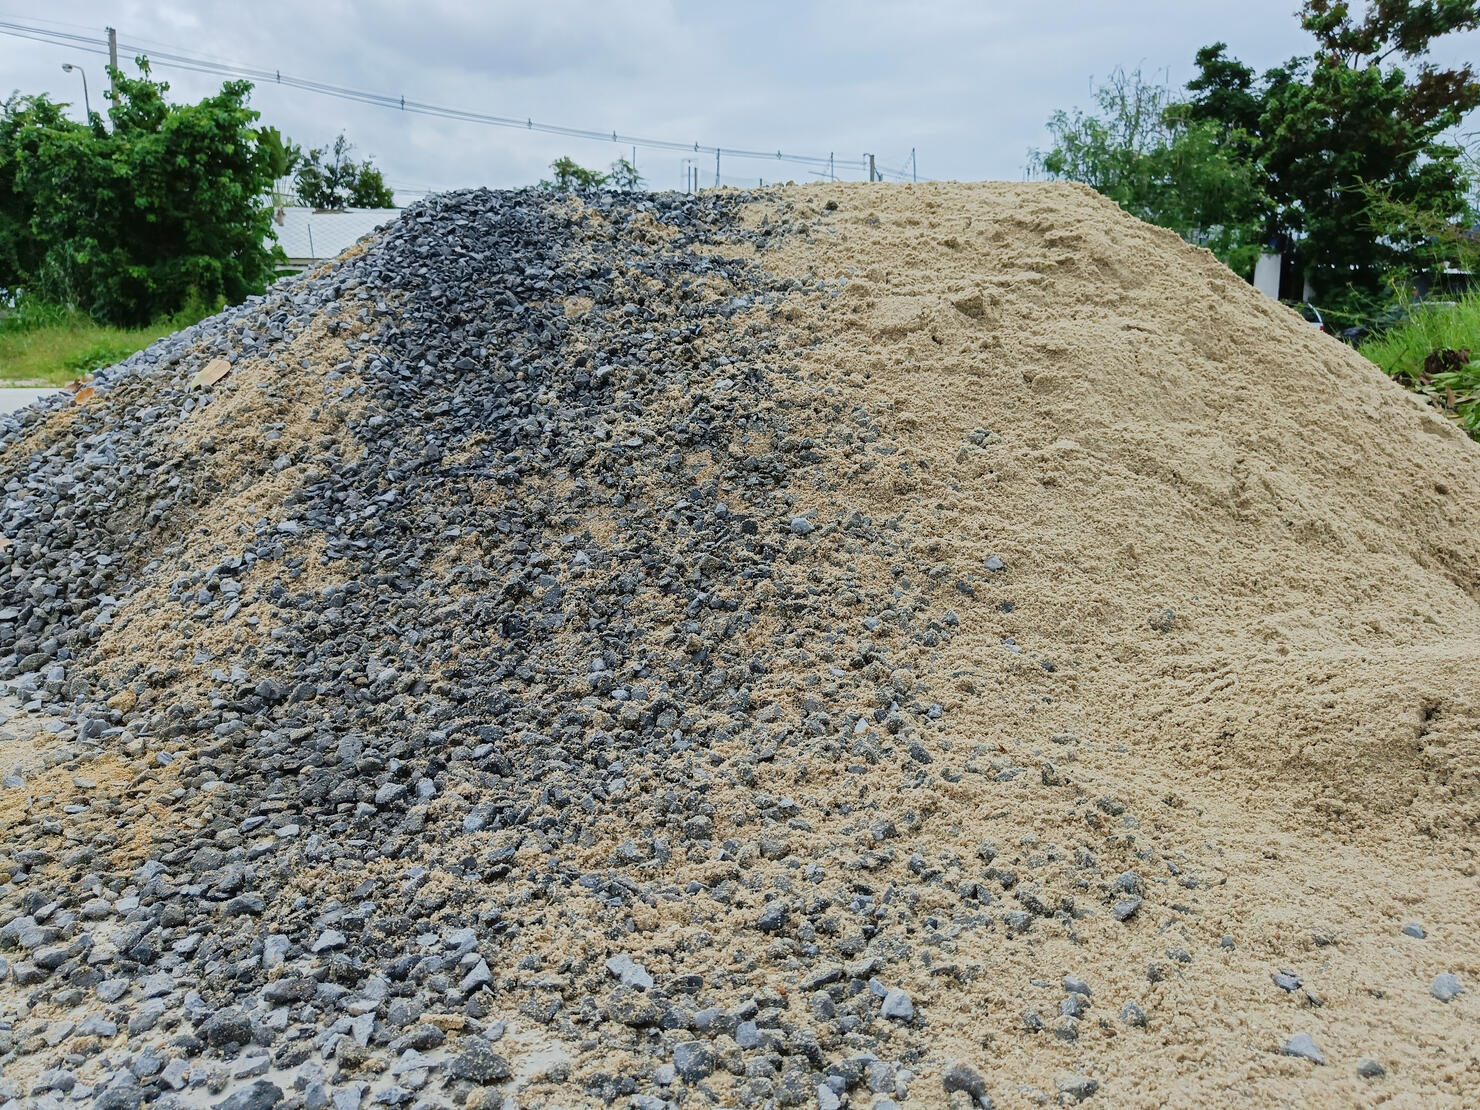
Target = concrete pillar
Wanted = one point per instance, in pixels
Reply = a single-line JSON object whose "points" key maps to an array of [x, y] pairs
{"points": [[1267, 275]]}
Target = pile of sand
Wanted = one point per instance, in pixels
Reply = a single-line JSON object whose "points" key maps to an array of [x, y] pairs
{"points": [[1000, 601], [1254, 565]]}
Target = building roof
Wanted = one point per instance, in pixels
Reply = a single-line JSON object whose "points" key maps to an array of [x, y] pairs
{"points": [[309, 234]]}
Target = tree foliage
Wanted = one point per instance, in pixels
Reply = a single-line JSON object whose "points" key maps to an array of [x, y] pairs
{"points": [[1344, 151], [1353, 148], [1145, 151], [569, 175], [283, 155], [1223, 94], [328, 178], [168, 207], [624, 176]]}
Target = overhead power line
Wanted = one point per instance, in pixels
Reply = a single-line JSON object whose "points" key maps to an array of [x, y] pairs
{"points": [[171, 59]]}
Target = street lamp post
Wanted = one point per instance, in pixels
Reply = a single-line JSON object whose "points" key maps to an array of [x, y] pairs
{"points": [[68, 67]]}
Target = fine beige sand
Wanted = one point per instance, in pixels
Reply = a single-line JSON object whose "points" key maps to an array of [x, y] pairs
{"points": [[1253, 564]]}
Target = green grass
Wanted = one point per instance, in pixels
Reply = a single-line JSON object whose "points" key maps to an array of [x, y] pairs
{"points": [[1403, 350], [44, 344], [58, 354]]}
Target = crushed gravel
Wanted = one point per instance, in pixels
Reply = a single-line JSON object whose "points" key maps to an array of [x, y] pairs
{"points": [[817, 647]]}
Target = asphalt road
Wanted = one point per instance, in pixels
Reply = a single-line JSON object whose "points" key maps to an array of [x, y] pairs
{"points": [[13, 399]]}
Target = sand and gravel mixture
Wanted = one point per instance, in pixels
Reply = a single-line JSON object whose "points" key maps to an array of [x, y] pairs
{"points": [[840, 645]]}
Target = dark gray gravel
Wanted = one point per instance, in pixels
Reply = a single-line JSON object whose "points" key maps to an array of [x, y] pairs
{"points": [[562, 425], [473, 777]]}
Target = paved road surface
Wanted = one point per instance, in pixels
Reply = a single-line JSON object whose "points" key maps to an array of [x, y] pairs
{"points": [[13, 399]]}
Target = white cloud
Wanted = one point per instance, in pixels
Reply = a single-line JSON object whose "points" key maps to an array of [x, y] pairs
{"points": [[967, 83]]}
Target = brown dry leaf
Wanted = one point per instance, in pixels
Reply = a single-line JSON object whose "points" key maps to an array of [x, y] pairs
{"points": [[210, 374]]}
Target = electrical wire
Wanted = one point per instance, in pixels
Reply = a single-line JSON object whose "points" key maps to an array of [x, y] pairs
{"points": [[171, 59], [55, 38], [53, 22]]}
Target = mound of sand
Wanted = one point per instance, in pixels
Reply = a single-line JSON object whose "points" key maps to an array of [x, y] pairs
{"points": [[826, 646], [1241, 579]]}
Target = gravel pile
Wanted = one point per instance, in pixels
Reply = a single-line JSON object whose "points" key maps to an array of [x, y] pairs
{"points": [[388, 687], [659, 651]]}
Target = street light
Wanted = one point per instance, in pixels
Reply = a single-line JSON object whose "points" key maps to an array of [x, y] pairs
{"points": [[68, 67]]}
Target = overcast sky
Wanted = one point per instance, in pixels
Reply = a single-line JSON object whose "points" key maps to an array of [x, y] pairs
{"points": [[968, 84]]}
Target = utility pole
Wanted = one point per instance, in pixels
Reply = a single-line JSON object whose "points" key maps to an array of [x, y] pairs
{"points": [[112, 63], [830, 175], [914, 172], [716, 167], [871, 167]]}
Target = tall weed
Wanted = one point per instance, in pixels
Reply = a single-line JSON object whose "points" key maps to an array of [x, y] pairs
{"points": [[1403, 352]]}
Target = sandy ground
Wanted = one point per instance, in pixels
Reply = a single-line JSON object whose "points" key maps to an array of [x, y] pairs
{"points": [[1253, 565]]}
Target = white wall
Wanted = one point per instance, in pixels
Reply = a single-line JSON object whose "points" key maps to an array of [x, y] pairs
{"points": [[1267, 275]]}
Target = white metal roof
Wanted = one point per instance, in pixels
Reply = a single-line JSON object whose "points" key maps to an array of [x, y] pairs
{"points": [[307, 234]]}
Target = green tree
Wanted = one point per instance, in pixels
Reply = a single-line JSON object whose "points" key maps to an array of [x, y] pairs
{"points": [[1148, 153], [328, 178], [283, 155], [569, 175], [370, 190], [26, 123], [167, 208], [1353, 148], [624, 176], [1224, 93]]}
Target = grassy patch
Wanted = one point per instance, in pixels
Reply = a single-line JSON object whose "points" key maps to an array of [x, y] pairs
{"points": [[1454, 382], [43, 343], [59, 351]]}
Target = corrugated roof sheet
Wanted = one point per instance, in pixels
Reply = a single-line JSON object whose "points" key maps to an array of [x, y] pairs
{"points": [[306, 234]]}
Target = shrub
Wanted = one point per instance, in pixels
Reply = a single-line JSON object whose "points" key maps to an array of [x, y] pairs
{"points": [[128, 224]]}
